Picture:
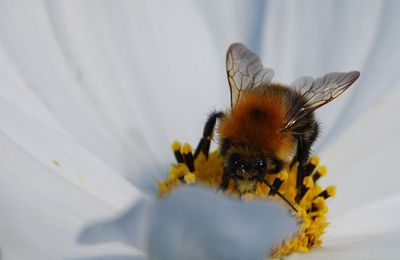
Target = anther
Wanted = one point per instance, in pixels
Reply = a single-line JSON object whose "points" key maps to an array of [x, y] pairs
{"points": [[280, 178], [176, 147], [314, 160], [317, 204], [307, 184], [306, 170], [320, 172], [186, 151], [310, 167], [276, 184], [190, 178], [328, 192]]}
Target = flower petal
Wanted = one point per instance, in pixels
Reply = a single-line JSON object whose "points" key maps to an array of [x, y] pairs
{"points": [[113, 257], [366, 170], [378, 246], [197, 224], [41, 212], [115, 73], [49, 185], [60, 152], [365, 211], [376, 218]]}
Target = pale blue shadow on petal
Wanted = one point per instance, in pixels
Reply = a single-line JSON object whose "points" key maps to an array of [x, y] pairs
{"points": [[110, 257], [193, 223]]}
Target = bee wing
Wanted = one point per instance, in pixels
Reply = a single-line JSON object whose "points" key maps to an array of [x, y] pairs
{"points": [[317, 93], [244, 70], [302, 83]]}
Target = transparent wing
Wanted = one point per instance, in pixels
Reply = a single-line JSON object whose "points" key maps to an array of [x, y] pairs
{"points": [[245, 70], [317, 93], [302, 83]]}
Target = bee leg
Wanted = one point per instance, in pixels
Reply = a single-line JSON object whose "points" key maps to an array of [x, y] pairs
{"points": [[204, 144], [303, 154]]}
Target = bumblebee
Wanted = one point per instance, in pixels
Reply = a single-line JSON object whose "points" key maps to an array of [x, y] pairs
{"points": [[269, 125]]}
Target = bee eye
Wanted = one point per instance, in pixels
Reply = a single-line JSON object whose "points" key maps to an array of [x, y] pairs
{"points": [[234, 161], [260, 165]]}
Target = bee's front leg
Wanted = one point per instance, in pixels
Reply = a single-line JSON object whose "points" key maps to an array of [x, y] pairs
{"points": [[204, 144]]}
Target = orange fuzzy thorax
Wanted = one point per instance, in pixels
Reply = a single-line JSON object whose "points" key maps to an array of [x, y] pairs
{"points": [[257, 120]]}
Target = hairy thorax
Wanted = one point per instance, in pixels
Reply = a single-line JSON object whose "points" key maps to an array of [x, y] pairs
{"points": [[257, 120]]}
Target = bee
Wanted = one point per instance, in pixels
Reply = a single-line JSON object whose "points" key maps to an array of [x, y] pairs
{"points": [[269, 125]]}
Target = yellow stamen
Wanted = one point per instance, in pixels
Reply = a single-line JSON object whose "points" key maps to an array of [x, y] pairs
{"points": [[282, 175], [308, 182], [176, 146], [190, 178], [186, 148], [322, 170], [309, 199], [331, 191], [314, 160]]}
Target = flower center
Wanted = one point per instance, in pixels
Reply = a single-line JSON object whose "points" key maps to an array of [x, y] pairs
{"points": [[308, 198]]}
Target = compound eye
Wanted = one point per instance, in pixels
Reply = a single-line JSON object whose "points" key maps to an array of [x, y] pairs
{"points": [[260, 165], [234, 161]]}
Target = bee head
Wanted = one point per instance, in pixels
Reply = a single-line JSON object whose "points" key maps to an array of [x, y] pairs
{"points": [[244, 162], [249, 169], [243, 168]]}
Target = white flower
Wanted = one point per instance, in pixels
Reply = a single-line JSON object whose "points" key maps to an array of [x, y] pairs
{"points": [[92, 94], [194, 223]]}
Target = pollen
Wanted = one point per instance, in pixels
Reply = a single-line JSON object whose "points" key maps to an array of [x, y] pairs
{"points": [[309, 198], [190, 178]]}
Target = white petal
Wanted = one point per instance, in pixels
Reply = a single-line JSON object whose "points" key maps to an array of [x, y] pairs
{"points": [[376, 79], [376, 218], [42, 212], [385, 246], [16, 91], [50, 186], [197, 224], [364, 214], [60, 152], [115, 73], [363, 162]]}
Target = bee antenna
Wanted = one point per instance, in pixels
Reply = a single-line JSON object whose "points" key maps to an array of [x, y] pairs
{"points": [[278, 193]]}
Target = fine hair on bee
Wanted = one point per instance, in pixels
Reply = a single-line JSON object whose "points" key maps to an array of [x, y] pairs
{"points": [[269, 125]]}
